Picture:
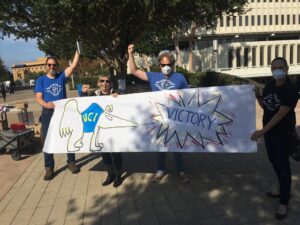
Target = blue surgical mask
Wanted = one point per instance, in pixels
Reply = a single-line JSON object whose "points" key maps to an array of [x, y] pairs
{"points": [[278, 74]]}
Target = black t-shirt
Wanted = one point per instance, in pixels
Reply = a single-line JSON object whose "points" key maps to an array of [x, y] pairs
{"points": [[275, 96]]}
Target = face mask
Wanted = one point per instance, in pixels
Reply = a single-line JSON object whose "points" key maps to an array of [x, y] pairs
{"points": [[278, 74], [52, 72], [166, 70]]}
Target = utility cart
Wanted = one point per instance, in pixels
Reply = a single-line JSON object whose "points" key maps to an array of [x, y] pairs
{"points": [[16, 142]]}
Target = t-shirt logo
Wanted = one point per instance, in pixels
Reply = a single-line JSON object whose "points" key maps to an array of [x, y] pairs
{"points": [[54, 89], [271, 102], [164, 84]]}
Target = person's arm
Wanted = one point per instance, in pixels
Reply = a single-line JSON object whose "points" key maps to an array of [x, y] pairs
{"points": [[41, 102], [136, 72], [258, 97], [69, 70], [282, 112]]}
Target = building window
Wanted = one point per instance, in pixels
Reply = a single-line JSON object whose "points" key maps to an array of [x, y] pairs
{"points": [[276, 51], [246, 52], [253, 56], [294, 19], [221, 21], [258, 20], [284, 51], [269, 55], [265, 20], [261, 55], [270, 19], [298, 54], [298, 19], [240, 21], [227, 21], [288, 19], [282, 19], [276, 19], [238, 57], [252, 20], [230, 58], [291, 54], [234, 21], [246, 21]]}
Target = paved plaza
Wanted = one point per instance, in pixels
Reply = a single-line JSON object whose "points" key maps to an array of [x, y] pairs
{"points": [[225, 189]]}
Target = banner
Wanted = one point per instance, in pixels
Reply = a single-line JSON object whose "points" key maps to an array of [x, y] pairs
{"points": [[213, 119]]}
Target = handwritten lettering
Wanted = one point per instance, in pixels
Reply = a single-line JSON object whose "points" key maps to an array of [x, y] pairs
{"points": [[190, 117]]}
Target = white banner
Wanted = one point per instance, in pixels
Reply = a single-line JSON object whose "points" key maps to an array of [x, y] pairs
{"points": [[213, 119]]}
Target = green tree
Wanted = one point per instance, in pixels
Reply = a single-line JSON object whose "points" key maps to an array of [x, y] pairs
{"points": [[4, 73], [105, 27]]}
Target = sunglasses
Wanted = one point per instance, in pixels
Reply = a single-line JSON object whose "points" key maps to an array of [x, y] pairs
{"points": [[54, 65], [166, 65], [102, 81]]}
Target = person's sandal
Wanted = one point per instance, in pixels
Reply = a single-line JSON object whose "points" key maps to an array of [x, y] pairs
{"points": [[184, 177], [281, 212], [158, 176]]}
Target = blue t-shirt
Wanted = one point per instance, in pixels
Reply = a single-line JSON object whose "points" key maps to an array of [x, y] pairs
{"points": [[52, 89], [159, 82]]}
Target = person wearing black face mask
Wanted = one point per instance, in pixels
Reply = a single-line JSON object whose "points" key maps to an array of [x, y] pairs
{"points": [[278, 100]]}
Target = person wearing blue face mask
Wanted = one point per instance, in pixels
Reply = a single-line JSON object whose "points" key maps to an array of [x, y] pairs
{"points": [[159, 81], [278, 100]]}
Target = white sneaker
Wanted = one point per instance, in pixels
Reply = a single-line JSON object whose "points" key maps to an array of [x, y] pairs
{"points": [[158, 176], [184, 177]]}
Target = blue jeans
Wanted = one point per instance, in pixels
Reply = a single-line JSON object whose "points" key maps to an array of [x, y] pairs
{"points": [[161, 161], [45, 120]]}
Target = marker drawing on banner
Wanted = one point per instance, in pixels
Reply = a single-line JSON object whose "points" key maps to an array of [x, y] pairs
{"points": [[74, 124]]}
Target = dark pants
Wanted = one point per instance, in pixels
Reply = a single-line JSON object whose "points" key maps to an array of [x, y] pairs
{"points": [[178, 158], [278, 152], [113, 161], [45, 120], [4, 96]]}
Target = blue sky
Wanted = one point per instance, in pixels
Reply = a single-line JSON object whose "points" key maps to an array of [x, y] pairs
{"points": [[18, 51]]}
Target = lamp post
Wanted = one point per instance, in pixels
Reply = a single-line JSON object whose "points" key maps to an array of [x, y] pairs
{"points": [[215, 54]]}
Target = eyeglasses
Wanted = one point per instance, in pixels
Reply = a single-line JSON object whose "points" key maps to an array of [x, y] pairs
{"points": [[53, 65], [166, 65], [102, 81]]}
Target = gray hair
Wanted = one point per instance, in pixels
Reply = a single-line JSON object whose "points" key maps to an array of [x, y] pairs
{"points": [[167, 54]]}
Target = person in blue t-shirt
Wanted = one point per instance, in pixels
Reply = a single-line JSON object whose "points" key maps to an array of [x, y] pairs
{"points": [[49, 88], [159, 81]]}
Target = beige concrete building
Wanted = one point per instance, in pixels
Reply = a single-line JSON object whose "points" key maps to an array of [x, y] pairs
{"points": [[20, 70], [244, 45]]}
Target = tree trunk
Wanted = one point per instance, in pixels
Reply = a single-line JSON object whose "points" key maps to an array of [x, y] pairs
{"points": [[179, 60], [190, 68]]}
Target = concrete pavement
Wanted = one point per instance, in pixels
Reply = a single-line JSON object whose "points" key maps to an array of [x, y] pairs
{"points": [[225, 189]]}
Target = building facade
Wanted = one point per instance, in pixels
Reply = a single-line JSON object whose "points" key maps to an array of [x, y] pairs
{"points": [[244, 45], [20, 70]]}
